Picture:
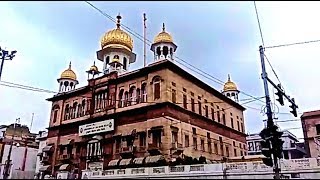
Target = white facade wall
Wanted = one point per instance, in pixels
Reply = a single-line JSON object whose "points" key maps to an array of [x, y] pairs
{"points": [[17, 156], [42, 143]]}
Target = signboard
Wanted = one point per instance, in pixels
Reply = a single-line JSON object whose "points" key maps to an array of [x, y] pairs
{"points": [[97, 127]]}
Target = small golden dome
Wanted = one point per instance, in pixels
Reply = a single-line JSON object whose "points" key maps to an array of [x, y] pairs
{"points": [[117, 38], [94, 67], [229, 85], [163, 36], [69, 74]]}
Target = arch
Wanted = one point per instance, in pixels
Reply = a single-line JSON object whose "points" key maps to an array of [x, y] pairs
{"points": [[138, 96], [79, 110], [132, 95], [165, 51], [228, 94], [71, 84], [171, 51], [144, 92], [125, 63], [116, 57], [56, 106], [66, 112], [83, 107], [121, 98], [158, 51], [233, 94], [156, 78]]}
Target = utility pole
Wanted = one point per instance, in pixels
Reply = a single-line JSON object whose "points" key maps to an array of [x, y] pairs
{"points": [[144, 40], [7, 167], [5, 55], [270, 123], [272, 143]]}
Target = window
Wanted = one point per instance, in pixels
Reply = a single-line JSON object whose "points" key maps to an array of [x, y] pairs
{"points": [[218, 116], [125, 63], [212, 113], [132, 95], [202, 144], [173, 84], [199, 105], [221, 149], [195, 146], [118, 144], [192, 105], [186, 141], [208, 135], [224, 118], [67, 111], [194, 131], [230, 113], [184, 89], [227, 151], [174, 136], [142, 139], [144, 92], [232, 123], [209, 147], [242, 130], [250, 146], [156, 86], [216, 148], [138, 96], [55, 114], [235, 152], [121, 98], [206, 111], [240, 145], [126, 99], [238, 125], [234, 144], [174, 96], [241, 153], [185, 101], [318, 129], [258, 147]]}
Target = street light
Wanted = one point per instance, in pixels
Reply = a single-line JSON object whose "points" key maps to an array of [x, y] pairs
{"points": [[5, 55], [6, 171]]}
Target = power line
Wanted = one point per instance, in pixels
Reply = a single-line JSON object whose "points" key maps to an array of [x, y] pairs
{"points": [[291, 44], [255, 7], [140, 37]]}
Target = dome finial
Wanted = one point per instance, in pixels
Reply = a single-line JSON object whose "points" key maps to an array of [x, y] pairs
{"points": [[163, 27], [118, 21], [70, 65], [94, 62], [229, 78]]}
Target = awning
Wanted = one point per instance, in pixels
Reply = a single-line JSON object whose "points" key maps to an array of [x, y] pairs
{"points": [[70, 141], [45, 168], [138, 160], [64, 167], [114, 162], [47, 148], [153, 159], [125, 162]]}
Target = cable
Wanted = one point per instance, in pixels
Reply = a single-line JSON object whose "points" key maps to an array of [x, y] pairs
{"points": [[291, 44], [137, 35], [254, 2], [272, 69]]}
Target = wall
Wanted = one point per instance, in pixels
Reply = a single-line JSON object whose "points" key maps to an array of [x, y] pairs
{"points": [[17, 155]]}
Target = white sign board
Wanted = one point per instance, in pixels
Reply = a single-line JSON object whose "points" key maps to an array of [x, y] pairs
{"points": [[97, 127]]}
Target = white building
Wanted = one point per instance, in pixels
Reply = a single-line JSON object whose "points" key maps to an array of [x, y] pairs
{"points": [[292, 149], [41, 139]]}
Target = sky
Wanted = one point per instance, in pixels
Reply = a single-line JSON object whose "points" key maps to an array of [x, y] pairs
{"points": [[220, 38]]}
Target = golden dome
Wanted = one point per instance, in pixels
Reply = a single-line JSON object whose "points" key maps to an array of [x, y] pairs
{"points": [[68, 74], [94, 67], [229, 85], [163, 36], [117, 38]]}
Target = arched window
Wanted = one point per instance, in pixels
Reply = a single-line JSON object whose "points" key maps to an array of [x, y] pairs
{"points": [[165, 51], [132, 95], [158, 51], [171, 52], [115, 57], [228, 94], [66, 84], [79, 111], [125, 63], [126, 98], [156, 87], [75, 105], [138, 96], [144, 92], [83, 107], [66, 112], [71, 85], [232, 94], [107, 60], [121, 98]]}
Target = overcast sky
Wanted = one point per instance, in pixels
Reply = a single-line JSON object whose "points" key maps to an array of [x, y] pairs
{"points": [[220, 38]]}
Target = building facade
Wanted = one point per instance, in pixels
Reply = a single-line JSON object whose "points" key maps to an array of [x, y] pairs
{"points": [[292, 148], [41, 139], [311, 132], [23, 154], [157, 115]]}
